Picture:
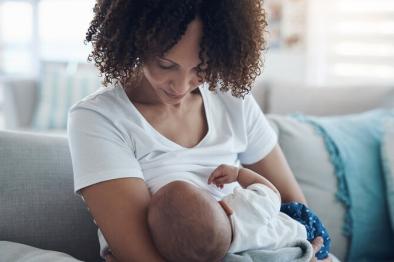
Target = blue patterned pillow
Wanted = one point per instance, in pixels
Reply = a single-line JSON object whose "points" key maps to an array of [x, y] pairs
{"points": [[59, 89]]}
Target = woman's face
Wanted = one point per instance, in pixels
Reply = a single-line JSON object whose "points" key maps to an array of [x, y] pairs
{"points": [[173, 76]]}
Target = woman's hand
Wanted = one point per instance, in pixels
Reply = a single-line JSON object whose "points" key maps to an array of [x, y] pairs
{"points": [[316, 245], [223, 174]]}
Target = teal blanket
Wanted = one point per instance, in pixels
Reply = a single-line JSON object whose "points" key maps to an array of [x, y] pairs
{"points": [[353, 143]]}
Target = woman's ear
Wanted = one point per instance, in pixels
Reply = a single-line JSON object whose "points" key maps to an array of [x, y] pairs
{"points": [[226, 208]]}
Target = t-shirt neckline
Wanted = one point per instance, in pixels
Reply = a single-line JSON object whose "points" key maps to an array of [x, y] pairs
{"points": [[163, 137]]}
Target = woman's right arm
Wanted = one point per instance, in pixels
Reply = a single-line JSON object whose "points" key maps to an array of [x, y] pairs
{"points": [[119, 207]]}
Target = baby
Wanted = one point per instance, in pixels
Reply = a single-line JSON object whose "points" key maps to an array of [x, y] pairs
{"points": [[188, 224]]}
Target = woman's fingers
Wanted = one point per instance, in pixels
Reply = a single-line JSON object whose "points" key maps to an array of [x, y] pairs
{"points": [[328, 259], [316, 244], [110, 258]]}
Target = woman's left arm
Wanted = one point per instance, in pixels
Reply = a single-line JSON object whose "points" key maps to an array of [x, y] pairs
{"points": [[275, 168]]}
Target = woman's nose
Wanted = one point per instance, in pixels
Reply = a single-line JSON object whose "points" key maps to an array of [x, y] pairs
{"points": [[184, 83]]}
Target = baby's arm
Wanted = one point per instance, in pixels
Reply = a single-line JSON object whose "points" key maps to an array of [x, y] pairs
{"points": [[247, 177], [225, 174]]}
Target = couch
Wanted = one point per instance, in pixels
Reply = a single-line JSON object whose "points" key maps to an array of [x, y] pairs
{"points": [[39, 210], [22, 98]]}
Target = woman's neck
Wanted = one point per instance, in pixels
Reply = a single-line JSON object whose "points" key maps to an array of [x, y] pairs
{"points": [[139, 91]]}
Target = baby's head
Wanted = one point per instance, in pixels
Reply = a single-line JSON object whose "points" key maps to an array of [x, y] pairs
{"points": [[187, 224]]}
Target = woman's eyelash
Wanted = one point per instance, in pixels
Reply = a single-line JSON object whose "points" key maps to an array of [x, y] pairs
{"points": [[165, 67]]}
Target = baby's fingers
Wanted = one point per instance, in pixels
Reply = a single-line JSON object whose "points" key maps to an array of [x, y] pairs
{"points": [[218, 172], [215, 180], [220, 180]]}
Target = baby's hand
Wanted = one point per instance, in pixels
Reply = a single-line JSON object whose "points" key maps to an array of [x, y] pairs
{"points": [[223, 174]]}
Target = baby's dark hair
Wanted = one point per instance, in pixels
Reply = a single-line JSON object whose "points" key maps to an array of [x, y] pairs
{"points": [[125, 33], [187, 224]]}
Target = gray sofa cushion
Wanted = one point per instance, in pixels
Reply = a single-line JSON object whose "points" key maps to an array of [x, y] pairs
{"points": [[285, 98], [307, 156], [17, 252], [38, 206]]}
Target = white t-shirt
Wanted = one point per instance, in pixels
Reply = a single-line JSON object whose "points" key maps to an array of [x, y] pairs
{"points": [[109, 139], [257, 221]]}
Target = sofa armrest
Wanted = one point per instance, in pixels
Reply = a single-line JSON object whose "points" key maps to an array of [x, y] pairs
{"points": [[38, 207]]}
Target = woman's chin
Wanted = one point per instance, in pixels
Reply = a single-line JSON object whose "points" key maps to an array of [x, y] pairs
{"points": [[172, 100]]}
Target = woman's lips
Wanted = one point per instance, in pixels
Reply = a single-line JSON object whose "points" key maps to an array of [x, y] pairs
{"points": [[174, 95]]}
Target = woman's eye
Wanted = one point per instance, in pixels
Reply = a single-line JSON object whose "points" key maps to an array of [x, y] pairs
{"points": [[165, 67], [162, 64]]}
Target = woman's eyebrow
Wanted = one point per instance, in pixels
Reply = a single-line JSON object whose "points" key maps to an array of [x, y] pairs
{"points": [[163, 58], [168, 60]]}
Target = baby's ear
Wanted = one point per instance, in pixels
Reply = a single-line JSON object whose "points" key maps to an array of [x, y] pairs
{"points": [[226, 208]]}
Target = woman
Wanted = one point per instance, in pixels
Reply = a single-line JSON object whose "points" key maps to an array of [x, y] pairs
{"points": [[158, 122]]}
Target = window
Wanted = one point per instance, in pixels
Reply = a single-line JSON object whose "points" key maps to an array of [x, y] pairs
{"points": [[34, 30], [16, 37], [62, 28], [351, 42]]}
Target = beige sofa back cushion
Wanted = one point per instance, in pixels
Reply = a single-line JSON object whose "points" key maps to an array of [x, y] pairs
{"points": [[307, 156]]}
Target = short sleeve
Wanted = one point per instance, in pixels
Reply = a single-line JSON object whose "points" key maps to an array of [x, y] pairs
{"points": [[261, 138], [98, 150], [258, 197]]}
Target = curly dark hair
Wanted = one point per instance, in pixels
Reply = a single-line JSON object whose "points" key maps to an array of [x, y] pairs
{"points": [[125, 33]]}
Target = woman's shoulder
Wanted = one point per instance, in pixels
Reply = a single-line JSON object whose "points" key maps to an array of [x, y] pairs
{"points": [[225, 100], [104, 99]]}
